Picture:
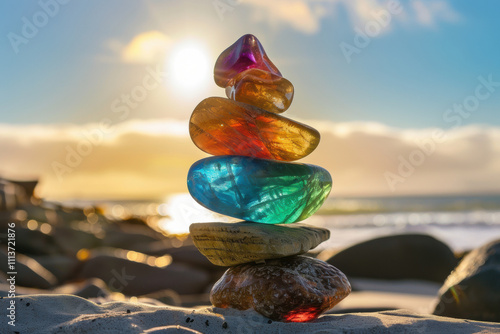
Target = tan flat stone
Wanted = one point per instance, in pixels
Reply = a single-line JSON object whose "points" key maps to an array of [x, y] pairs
{"points": [[229, 244]]}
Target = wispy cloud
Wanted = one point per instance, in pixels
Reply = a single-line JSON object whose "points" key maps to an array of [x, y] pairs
{"points": [[301, 15], [144, 48], [306, 15], [149, 159], [428, 13]]}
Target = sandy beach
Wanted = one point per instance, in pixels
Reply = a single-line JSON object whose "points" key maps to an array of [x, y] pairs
{"points": [[46, 314], [379, 307]]}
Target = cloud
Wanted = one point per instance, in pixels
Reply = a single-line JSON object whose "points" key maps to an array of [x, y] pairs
{"points": [[299, 14], [374, 159], [429, 12], [145, 48], [150, 159], [306, 15]]}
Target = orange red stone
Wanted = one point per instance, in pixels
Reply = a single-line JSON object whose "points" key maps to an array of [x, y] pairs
{"points": [[221, 126]]}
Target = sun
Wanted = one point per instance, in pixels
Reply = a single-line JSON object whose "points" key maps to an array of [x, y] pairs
{"points": [[189, 67]]}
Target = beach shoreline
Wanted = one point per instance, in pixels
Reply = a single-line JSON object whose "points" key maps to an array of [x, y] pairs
{"points": [[46, 314]]}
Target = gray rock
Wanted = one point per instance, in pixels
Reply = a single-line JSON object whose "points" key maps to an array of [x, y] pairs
{"points": [[139, 278], [62, 267], [406, 256], [472, 291], [40, 213], [188, 255], [126, 235], [7, 217], [167, 297], [35, 242], [71, 240], [192, 256], [11, 195], [28, 187], [90, 288], [29, 272], [164, 246]]}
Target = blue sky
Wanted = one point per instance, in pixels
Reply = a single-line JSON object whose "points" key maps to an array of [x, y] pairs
{"points": [[406, 77], [116, 81]]}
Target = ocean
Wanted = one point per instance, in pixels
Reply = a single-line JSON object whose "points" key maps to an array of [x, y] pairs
{"points": [[462, 222]]}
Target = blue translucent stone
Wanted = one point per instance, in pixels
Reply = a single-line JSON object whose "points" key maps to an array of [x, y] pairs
{"points": [[259, 190]]}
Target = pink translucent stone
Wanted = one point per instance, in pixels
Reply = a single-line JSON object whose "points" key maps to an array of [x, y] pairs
{"points": [[245, 53]]}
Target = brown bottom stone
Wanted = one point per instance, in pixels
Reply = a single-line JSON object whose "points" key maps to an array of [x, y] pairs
{"points": [[292, 289]]}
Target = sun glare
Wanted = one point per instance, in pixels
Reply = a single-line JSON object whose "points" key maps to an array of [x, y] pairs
{"points": [[189, 66]]}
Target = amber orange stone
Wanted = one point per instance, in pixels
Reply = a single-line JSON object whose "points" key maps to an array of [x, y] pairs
{"points": [[245, 53], [262, 89], [292, 289], [221, 126]]}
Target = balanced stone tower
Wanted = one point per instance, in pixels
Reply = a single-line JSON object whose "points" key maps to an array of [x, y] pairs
{"points": [[250, 177]]}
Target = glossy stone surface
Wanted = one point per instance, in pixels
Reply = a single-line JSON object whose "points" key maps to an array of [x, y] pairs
{"points": [[229, 244], [292, 289], [259, 190], [472, 291], [262, 89], [245, 53], [221, 126]]}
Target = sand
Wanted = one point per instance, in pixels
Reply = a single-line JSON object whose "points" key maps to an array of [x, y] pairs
{"points": [[72, 314], [377, 295]]}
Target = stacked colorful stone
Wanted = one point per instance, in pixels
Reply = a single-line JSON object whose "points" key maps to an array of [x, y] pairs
{"points": [[251, 177]]}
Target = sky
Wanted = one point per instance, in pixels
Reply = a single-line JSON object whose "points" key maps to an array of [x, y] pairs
{"points": [[96, 95]]}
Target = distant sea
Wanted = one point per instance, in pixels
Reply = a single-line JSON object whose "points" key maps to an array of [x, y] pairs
{"points": [[463, 222]]}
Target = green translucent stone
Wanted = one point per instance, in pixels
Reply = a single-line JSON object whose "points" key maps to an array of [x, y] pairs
{"points": [[259, 190]]}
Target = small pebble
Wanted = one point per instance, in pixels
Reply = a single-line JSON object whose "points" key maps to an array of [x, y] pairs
{"points": [[207, 323], [28, 304], [187, 320], [269, 321], [128, 311], [224, 325]]}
